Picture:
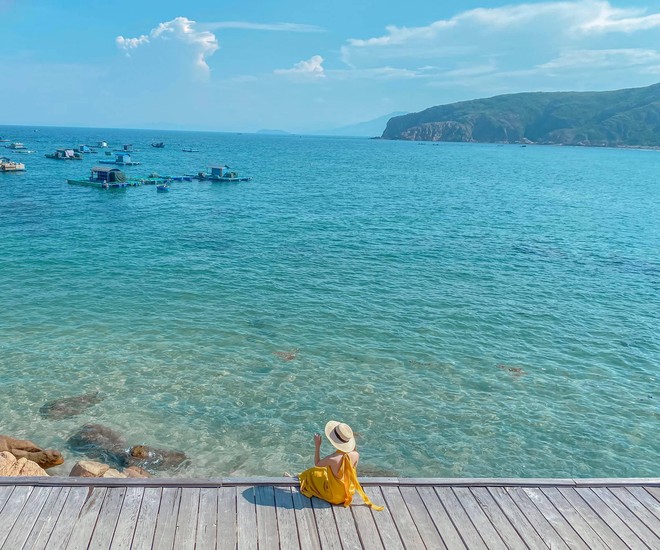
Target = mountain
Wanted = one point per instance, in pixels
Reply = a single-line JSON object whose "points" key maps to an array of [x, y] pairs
{"points": [[369, 128], [628, 117]]}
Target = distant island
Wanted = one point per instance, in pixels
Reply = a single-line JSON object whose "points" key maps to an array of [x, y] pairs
{"points": [[270, 132], [621, 118]]}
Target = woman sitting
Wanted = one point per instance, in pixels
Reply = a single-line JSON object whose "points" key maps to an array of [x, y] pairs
{"points": [[334, 478]]}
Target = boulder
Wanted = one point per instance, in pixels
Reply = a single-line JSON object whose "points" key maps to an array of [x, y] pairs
{"points": [[10, 466], [114, 473], [136, 471], [89, 468], [22, 448], [69, 406]]}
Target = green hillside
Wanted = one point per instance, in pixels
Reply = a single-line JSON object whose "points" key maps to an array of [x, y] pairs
{"points": [[628, 117]]}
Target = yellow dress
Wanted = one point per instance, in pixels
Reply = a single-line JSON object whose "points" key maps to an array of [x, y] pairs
{"points": [[320, 482]]}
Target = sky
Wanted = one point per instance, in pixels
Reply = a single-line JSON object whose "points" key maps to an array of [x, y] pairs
{"points": [[304, 66]]}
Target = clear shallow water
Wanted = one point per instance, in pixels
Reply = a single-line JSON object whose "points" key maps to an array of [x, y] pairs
{"points": [[414, 281]]}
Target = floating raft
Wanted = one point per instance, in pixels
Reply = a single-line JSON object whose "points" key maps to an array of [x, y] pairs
{"points": [[605, 514]]}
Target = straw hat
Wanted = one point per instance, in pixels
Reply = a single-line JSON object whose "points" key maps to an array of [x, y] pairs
{"points": [[340, 435]]}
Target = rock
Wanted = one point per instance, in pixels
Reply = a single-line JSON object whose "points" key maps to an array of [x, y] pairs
{"points": [[114, 473], [10, 466], [69, 406], [89, 468], [150, 457], [22, 448], [136, 471], [97, 441]]}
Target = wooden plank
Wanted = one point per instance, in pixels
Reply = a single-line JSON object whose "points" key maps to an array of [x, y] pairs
{"points": [[402, 518], [588, 535], [325, 523], [479, 519], [649, 497], [605, 512], [38, 537], [246, 518], [28, 517], [366, 527], [12, 510], [442, 521], [631, 511], [69, 519], [107, 520], [128, 518], [607, 535], [350, 540], [167, 515], [497, 518], [5, 493], [286, 518], [186, 522], [545, 518], [267, 533], [207, 519], [521, 523], [76, 524], [384, 522], [145, 527], [460, 518], [308, 535], [421, 517], [227, 529]]}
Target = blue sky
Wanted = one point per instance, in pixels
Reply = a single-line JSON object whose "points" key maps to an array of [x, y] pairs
{"points": [[303, 66]]}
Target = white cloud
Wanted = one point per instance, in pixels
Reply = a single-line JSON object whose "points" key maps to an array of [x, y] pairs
{"points": [[310, 68], [181, 30], [515, 42], [275, 27]]}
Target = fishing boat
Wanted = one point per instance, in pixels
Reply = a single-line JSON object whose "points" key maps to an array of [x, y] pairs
{"points": [[159, 145], [8, 165], [102, 145], [2, 140], [65, 154], [162, 188], [122, 159], [189, 150], [107, 178], [16, 146], [221, 174]]}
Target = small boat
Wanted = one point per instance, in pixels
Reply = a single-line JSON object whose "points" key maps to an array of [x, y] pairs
{"points": [[2, 140], [221, 174], [16, 146], [107, 178], [65, 154], [122, 159], [86, 149], [162, 188], [102, 145], [159, 145], [8, 165], [189, 150]]}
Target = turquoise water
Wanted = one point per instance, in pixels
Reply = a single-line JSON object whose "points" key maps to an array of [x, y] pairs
{"points": [[471, 310]]}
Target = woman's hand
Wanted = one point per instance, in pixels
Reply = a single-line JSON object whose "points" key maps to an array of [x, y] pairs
{"points": [[317, 440]]}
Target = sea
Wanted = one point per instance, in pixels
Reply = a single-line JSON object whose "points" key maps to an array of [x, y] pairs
{"points": [[469, 310]]}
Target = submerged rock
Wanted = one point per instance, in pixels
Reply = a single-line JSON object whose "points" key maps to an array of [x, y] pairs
{"points": [[69, 406], [287, 355], [97, 441], [105, 444], [22, 448], [147, 457]]}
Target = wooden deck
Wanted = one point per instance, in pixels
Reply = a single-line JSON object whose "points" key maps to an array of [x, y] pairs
{"points": [[73, 513]]}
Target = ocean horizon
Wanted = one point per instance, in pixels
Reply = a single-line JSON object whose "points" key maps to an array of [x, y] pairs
{"points": [[471, 310]]}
